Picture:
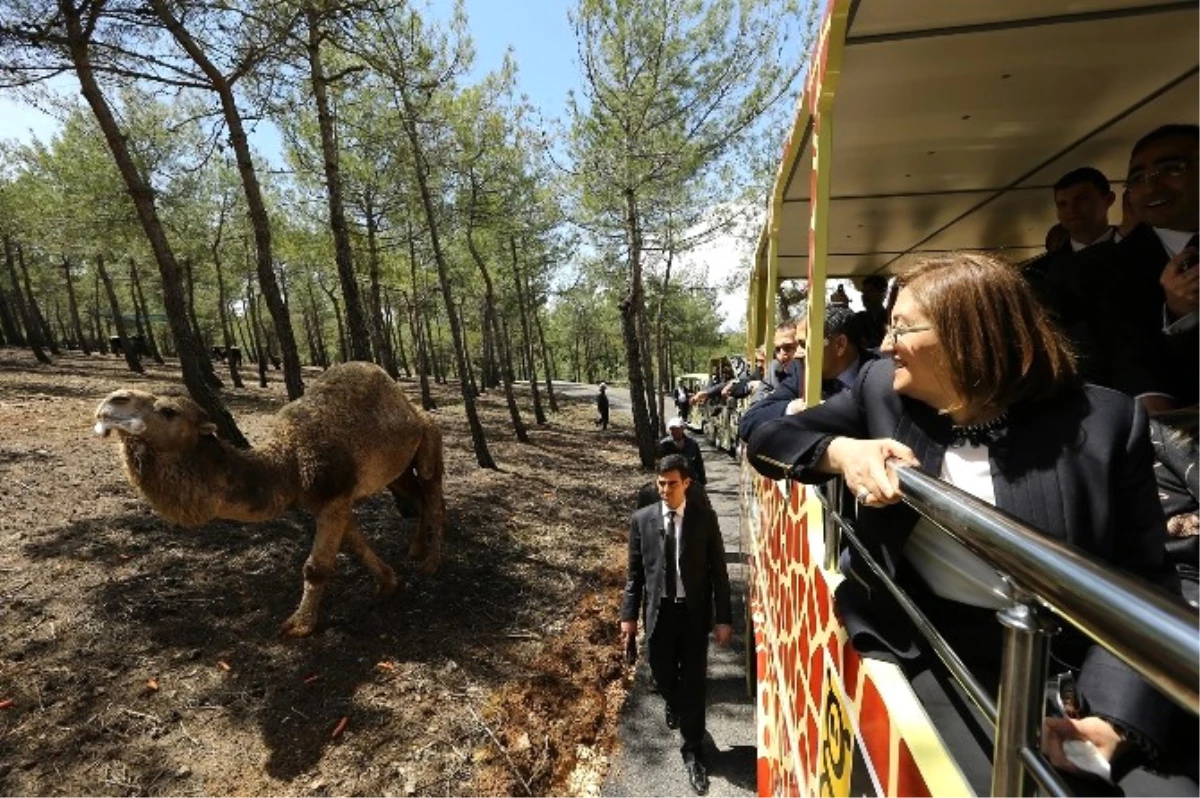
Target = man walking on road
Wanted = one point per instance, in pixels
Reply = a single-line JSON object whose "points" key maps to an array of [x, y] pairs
{"points": [[677, 563], [677, 442], [602, 406]]}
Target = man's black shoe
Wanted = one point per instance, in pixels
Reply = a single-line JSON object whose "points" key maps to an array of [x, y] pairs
{"points": [[672, 718], [696, 773]]}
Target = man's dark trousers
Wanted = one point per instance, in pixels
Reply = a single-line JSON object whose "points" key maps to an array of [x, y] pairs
{"points": [[678, 655]]}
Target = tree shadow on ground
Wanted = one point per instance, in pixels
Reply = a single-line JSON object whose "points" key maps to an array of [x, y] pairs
{"points": [[207, 604]]}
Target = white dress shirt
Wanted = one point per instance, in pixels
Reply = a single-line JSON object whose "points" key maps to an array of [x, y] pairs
{"points": [[950, 569], [677, 531]]}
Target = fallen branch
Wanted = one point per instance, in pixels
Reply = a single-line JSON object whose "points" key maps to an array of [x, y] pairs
{"points": [[511, 764]]}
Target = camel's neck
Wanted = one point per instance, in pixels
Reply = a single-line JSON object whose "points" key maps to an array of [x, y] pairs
{"points": [[213, 480]]}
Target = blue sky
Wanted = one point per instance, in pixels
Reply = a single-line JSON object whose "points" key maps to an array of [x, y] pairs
{"points": [[537, 30]]}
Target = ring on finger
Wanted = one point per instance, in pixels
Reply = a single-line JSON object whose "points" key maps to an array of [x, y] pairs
{"points": [[864, 493]]}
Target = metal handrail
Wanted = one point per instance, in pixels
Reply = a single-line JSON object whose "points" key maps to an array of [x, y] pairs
{"points": [[1138, 623]]}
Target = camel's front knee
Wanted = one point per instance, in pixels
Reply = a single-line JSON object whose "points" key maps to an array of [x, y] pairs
{"points": [[316, 573]]}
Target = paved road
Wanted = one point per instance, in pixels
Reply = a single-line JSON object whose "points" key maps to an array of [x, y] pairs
{"points": [[618, 398], [647, 760]]}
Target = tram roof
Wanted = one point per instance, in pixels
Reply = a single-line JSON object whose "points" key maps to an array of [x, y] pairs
{"points": [[952, 121]]}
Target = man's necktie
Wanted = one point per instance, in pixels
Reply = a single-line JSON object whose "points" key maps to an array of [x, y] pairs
{"points": [[831, 386], [669, 556]]}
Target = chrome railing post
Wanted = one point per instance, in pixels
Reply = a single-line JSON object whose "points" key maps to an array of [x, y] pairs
{"points": [[833, 532], [1027, 632]]}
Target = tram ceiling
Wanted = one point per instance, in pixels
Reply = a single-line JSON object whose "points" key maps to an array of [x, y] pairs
{"points": [[951, 121]]}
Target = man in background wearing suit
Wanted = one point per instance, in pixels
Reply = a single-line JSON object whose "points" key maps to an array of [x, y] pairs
{"points": [[1152, 279], [677, 563]]}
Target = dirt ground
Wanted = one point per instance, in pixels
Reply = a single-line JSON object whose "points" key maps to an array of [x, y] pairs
{"points": [[139, 658]]}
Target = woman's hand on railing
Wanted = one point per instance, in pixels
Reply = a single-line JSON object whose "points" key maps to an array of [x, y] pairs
{"points": [[864, 464], [1097, 731]]}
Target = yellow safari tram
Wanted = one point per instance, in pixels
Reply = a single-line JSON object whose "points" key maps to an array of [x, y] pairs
{"points": [[928, 126]]}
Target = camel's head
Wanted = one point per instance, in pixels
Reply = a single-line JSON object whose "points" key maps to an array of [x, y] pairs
{"points": [[167, 423]]}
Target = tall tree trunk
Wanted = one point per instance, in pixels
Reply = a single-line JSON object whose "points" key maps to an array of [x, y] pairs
{"points": [[360, 337], [139, 300], [210, 372], [397, 330], [261, 344], [35, 310], [259, 220], [222, 298], [418, 330], [523, 311], [470, 376], [433, 353], [631, 307], [33, 333], [660, 313], [379, 337], [128, 346], [321, 356], [489, 299], [73, 309], [343, 350], [143, 199], [547, 361], [101, 339], [8, 320], [63, 333]]}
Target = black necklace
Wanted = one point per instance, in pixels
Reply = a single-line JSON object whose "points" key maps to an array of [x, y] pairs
{"points": [[983, 434]]}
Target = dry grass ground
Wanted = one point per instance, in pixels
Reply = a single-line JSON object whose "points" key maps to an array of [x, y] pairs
{"points": [[137, 658]]}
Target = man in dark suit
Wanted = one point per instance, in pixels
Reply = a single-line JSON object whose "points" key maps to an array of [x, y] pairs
{"points": [[677, 563], [872, 320], [1134, 320], [678, 442], [1082, 198], [842, 358]]}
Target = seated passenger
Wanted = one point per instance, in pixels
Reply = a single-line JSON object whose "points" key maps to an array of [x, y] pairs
{"points": [[750, 385], [841, 360], [1175, 472], [977, 387]]}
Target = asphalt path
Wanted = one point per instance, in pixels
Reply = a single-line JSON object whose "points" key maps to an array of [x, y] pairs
{"points": [[647, 760]]}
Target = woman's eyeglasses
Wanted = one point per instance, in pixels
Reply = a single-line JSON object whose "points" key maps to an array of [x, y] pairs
{"points": [[894, 333]]}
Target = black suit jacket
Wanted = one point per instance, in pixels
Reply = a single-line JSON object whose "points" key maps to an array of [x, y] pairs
{"points": [[1109, 301], [1079, 468], [690, 451], [702, 568], [774, 404]]}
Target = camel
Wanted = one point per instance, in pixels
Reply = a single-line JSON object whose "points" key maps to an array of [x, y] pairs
{"points": [[352, 434]]}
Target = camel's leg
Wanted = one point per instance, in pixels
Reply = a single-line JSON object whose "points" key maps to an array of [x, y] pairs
{"points": [[429, 467], [433, 521], [407, 490], [332, 522], [355, 542]]}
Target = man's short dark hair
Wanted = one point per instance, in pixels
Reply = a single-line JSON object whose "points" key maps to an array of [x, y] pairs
{"points": [[673, 462], [1166, 132], [1084, 174], [875, 281], [841, 320]]}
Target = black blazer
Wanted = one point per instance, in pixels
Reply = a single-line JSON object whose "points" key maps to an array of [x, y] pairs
{"points": [[1111, 304], [702, 567], [1079, 468]]}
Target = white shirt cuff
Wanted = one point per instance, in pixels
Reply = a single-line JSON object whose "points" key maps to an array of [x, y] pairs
{"points": [[1180, 325]]}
